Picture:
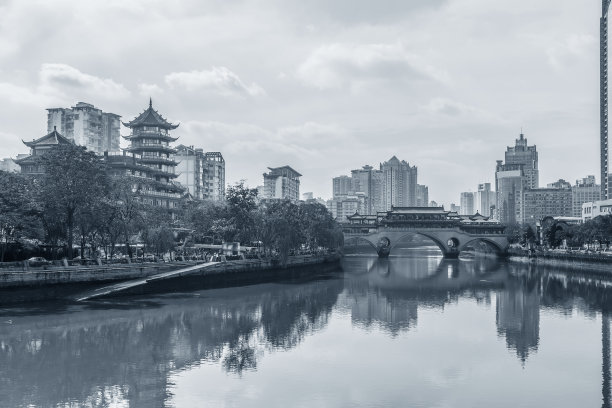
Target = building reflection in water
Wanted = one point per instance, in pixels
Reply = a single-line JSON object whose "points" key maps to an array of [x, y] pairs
{"points": [[125, 351], [518, 316]]}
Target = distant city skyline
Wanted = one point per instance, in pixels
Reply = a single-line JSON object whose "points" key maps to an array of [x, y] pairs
{"points": [[447, 83]]}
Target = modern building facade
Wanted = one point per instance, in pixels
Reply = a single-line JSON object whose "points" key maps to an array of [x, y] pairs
{"points": [[149, 160], [342, 186], [343, 207], [585, 190], [422, 195], [87, 126], [214, 176], [190, 169], [536, 203], [467, 203], [595, 209], [282, 183], [400, 184], [527, 157], [484, 200], [519, 172]]}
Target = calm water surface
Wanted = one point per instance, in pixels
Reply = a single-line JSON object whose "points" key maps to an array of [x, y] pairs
{"points": [[410, 331]]}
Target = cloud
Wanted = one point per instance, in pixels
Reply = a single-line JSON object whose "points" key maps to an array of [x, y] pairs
{"points": [[456, 111], [571, 49], [149, 89], [352, 65], [65, 78], [360, 11], [217, 79]]}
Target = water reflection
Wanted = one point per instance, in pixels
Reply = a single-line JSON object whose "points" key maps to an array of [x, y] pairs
{"points": [[108, 353], [126, 351]]}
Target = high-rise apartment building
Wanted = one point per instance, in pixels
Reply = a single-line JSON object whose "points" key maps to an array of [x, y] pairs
{"points": [[345, 206], [203, 173], [87, 126], [342, 186], [282, 183], [400, 184], [189, 169], [467, 203], [213, 176], [585, 191]]}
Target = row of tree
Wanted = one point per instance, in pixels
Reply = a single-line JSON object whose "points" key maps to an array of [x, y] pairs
{"points": [[554, 233], [76, 201]]}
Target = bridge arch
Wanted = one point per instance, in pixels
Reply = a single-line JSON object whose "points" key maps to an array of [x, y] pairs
{"points": [[362, 239], [441, 245], [500, 249]]}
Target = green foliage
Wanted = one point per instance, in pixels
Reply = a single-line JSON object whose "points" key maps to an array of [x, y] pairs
{"points": [[17, 210], [76, 199]]}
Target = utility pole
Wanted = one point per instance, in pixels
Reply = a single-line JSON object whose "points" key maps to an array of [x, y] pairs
{"points": [[603, 96]]}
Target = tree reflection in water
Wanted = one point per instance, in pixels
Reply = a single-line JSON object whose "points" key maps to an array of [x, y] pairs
{"points": [[125, 350], [104, 353]]}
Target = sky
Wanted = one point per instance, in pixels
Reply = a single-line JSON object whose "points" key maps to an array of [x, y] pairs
{"points": [[323, 86]]}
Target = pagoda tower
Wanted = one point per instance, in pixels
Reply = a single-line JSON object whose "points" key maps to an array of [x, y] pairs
{"points": [[150, 147]]}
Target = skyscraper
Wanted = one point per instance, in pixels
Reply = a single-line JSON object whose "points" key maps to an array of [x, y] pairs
{"points": [[520, 171], [422, 195], [400, 184], [484, 199], [467, 203], [527, 157], [87, 126]]}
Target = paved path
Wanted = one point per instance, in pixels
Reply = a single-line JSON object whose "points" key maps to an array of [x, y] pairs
{"points": [[119, 287]]}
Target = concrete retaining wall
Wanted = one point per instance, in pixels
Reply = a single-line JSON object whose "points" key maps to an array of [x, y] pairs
{"points": [[81, 274]]}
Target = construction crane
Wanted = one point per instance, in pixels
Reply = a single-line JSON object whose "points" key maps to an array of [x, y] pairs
{"points": [[603, 97]]}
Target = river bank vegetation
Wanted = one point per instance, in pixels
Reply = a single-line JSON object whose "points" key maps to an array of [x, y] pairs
{"points": [[76, 207]]}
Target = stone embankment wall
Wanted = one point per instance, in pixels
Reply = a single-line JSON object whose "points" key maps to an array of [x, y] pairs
{"points": [[35, 277], [79, 274], [592, 262]]}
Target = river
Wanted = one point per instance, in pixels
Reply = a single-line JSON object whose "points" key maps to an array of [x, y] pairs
{"points": [[413, 330]]}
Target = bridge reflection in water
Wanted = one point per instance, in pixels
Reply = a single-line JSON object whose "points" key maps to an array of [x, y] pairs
{"points": [[128, 351]]}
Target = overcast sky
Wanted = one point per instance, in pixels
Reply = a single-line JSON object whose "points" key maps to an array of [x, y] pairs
{"points": [[324, 86]]}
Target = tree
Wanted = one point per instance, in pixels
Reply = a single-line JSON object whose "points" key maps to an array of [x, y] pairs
{"points": [[242, 202], [17, 209], [74, 179]]}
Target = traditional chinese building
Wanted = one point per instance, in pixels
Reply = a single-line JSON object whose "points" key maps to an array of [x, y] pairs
{"points": [[31, 163], [148, 157]]}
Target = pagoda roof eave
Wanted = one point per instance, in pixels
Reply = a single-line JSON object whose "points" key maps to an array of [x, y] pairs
{"points": [[150, 117]]}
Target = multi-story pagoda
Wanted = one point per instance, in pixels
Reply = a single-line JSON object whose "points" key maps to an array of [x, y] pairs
{"points": [[150, 159]]}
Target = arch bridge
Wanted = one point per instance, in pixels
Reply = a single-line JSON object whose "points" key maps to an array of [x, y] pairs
{"points": [[451, 232]]}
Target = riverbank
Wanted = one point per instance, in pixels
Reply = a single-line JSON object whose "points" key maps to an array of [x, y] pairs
{"points": [[592, 262], [69, 283]]}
